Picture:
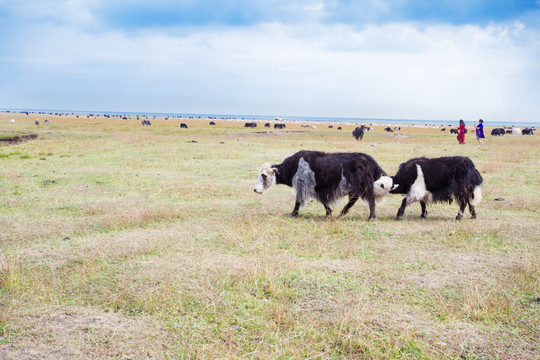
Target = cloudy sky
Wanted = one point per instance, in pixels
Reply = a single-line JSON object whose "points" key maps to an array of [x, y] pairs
{"points": [[405, 59]]}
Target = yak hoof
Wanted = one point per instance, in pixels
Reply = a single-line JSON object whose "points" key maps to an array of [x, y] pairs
{"points": [[371, 218], [293, 214], [459, 216], [398, 218]]}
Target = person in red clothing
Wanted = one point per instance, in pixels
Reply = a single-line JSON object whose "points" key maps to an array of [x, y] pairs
{"points": [[461, 135]]}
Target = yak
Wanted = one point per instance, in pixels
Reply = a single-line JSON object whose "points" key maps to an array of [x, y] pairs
{"points": [[441, 179], [358, 132], [328, 177]]}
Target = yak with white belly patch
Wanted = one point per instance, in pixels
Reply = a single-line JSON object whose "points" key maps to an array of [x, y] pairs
{"points": [[327, 177], [441, 179]]}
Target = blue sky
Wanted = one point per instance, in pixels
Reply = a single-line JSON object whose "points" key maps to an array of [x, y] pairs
{"points": [[374, 58]]}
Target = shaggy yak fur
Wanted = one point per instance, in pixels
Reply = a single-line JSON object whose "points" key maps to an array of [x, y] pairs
{"points": [[438, 180], [327, 177]]}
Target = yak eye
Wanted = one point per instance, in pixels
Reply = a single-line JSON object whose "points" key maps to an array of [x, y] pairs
{"points": [[382, 186]]}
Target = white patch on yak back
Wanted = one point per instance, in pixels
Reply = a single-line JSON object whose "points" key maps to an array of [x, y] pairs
{"points": [[418, 189], [303, 183]]}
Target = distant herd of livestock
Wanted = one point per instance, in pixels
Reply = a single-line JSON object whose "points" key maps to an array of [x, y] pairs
{"points": [[358, 132]]}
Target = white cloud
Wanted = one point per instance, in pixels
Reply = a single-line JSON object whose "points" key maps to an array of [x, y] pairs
{"points": [[397, 70]]}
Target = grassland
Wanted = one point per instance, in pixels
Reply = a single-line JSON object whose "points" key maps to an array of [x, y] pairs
{"points": [[123, 241]]}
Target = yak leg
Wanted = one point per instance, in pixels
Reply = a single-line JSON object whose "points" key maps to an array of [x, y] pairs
{"points": [[352, 200], [472, 211], [328, 210], [462, 206], [371, 203], [401, 210], [424, 211], [295, 211]]}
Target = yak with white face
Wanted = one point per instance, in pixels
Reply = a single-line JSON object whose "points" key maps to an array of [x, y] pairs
{"points": [[441, 179], [328, 177]]}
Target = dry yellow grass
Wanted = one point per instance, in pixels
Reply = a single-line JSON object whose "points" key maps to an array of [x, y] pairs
{"points": [[123, 241]]}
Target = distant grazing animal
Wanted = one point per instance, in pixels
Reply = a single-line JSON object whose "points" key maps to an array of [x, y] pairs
{"points": [[12, 121], [47, 121], [508, 131], [527, 131], [36, 122], [183, 126], [328, 177], [146, 122], [516, 131], [250, 124], [397, 128], [358, 133], [279, 126], [212, 123], [339, 128], [388, 130], [441, 179], [330, 127], [443, 129], [267, 125], [497, 132], [454, 131]]}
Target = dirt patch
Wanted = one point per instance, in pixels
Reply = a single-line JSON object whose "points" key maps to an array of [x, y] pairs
{"points": [[17, 139], [82, 333]]}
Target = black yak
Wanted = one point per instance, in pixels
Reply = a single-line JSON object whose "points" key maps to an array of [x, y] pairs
{"points": [[328, 177], [441, 179], [358, 133]]}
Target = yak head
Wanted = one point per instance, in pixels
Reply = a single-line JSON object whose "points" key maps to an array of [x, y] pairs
{"points": [[382, 187], [267, 178]]}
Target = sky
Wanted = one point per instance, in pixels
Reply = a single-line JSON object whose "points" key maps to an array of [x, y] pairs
{"points": [[398, 59]]}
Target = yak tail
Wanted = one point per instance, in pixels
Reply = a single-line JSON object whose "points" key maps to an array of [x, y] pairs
{"points": [[476, 197]]}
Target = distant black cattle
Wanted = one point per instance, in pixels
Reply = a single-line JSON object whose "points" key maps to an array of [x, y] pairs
{"points": [[327, 177], [36, 122], [358, 132], [145, 122], [527, 131], [279, 126], [183, 126], [508, 131], [454, 131], [339, 128], [443, 129], [497, 132], [388, 130], [330, 127], [212, 123], [250, 124], [267, 125], [441, 179]]}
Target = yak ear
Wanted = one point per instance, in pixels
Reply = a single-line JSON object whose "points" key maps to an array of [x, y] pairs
{"points": [[275, 170]]}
